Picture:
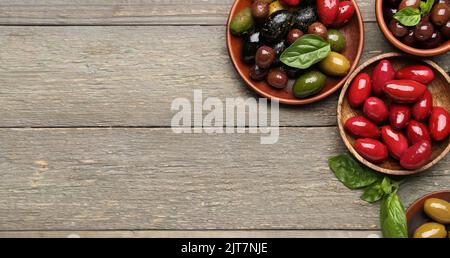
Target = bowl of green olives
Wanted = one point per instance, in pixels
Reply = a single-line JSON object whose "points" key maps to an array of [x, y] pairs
{"points": [[295, 51], [420, 28], [429, 216]]}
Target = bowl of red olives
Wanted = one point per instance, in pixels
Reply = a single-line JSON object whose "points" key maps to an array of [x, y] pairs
{"points": [[417, 27], [393, 114], [295, 51]]}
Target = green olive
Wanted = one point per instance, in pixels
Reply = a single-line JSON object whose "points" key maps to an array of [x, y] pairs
{"points": [[335, 64], [431, 230], [242, 22], [337, 40], [309, 84], [438, 210], [275, 7]]}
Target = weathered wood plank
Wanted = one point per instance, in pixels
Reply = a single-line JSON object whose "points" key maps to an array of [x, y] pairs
{"points": [[194, 234], [143, 179], [127, 76], [126, 12]]}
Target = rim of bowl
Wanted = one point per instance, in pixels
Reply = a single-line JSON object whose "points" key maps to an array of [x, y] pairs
{"points": [[442, 49], [342, 129], [409, 211], [314, 98]]}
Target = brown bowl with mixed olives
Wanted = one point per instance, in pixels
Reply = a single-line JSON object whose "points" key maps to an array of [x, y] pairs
{"points": [[418, 27], [295, 51]]}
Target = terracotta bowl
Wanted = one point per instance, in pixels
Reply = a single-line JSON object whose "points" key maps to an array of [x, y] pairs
{"points": [[354, 33], [416, 216], [444, 48], [440, 89]]}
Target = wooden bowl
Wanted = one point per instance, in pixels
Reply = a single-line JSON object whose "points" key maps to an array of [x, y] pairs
{"points": [[440, 89], [416, 216], [444, 48], [354, 33]]}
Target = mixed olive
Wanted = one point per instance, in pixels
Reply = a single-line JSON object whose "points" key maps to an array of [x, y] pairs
{"points": [[272, 32], [438, 211], [398, 108], [419, 24]]}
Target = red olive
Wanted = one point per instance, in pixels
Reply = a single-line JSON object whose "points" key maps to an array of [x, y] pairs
{"points": [[277, 78], [376, 110], [382, 73], [422, 109], [418, 73], [416, 156], [439, 123], [417, 132], [359, 90], [258, 74], [345, 13], [404, 91], [328, 11], [361, 127], [265, 57], [372, 150], [396, 142], [399, 116], [293, 35]]}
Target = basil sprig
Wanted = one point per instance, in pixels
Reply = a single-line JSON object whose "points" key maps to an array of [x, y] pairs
{"points": [[376, 187], [410, 16], [306, 51]]}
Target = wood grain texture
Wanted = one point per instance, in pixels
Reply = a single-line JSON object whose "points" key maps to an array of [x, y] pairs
{"points": [[128, 76], [126, 12], [194, 234], [141, 179]]}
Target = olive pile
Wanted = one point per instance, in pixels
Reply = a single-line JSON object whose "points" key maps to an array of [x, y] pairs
{"points": [[407, 106], [437, 210], [417, 25], [269, 27]]}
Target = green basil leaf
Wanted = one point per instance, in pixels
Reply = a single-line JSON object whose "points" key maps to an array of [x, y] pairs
{"points": [[306, 51], [372, 193], [351, 173], [386, 185], [426, 7], [393, 217], [408, 16]]}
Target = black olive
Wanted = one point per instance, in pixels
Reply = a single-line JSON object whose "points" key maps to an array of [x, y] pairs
{"points": [[389, 12], [250, 45], [292, 72], [424, 30], [277, 26], [409, 39], [434, 42], [397, 29], [445, 30], [278, 49], [303, 17]]}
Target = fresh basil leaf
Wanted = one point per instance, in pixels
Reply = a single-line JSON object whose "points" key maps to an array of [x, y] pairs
{"points": [[393, 217], [306, 51], [372, 193], [351, 173], [426, 7], [386, 185], [408, 16]]}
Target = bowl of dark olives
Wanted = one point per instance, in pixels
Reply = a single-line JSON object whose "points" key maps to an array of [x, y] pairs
{"points": [[295, 51], [429, 216], [393, 114], [417, 27]]}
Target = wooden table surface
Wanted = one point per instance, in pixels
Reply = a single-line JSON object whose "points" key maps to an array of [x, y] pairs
{"points": [[86, 144]]}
